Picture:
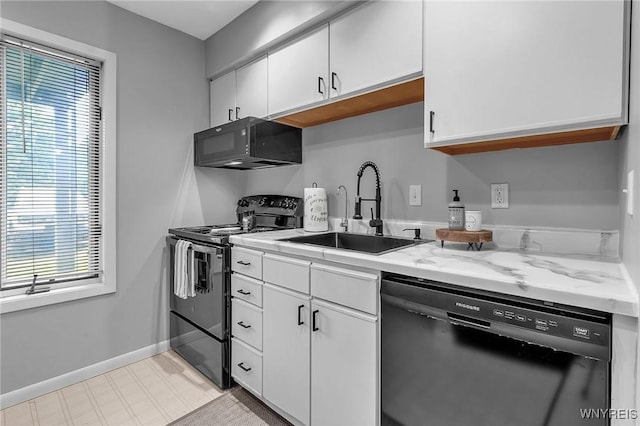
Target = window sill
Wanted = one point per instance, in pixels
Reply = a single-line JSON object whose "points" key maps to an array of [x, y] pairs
{"points": [[21, 302]]}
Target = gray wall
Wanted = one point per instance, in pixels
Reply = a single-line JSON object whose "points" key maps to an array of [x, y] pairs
{"points": [[162, 100], [574, 186], [630, 160]]}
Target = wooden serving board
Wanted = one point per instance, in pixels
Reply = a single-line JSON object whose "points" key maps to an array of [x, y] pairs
{"points": [[473, 238]]}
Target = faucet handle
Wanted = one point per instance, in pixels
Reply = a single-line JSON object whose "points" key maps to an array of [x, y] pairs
{"points": [[416, 232], [375, 223]]}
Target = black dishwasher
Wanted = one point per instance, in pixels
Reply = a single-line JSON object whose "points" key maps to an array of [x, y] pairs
{"points": [[452, 356]]}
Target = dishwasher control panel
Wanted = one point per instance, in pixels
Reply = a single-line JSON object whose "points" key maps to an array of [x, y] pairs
{"points": [[552, 323]]}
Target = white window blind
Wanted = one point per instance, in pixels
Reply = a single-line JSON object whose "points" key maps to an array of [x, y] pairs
{"points": [[50, 171]]}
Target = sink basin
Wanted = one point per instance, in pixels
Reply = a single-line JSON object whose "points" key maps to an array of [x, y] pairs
{"points": [[356, 242]]}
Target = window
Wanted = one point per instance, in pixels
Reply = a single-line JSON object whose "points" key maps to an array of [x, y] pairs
{"points": [[56, 167]]}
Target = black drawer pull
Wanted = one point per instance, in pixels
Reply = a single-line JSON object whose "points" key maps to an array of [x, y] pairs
{"points": [[300, 322], [320, 84], [241, 365], [237, 113], [246, 293], [313, 322], [243, 263], [230, 112], [333, 81], [243, 325]]}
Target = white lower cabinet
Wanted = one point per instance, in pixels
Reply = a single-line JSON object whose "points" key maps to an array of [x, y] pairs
{"points": [[246, 319], [344, 368], [247, 323], [246, 367], [320, 359], [286, 351]]}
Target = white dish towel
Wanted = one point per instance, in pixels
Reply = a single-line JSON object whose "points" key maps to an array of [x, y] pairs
{"points": [[184, 271]]}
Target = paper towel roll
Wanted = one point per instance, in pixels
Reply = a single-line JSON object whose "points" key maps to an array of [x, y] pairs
{"points": [[315, 210]]}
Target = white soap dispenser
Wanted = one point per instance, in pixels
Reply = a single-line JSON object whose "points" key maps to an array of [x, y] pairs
{"points": [[456, 213]]}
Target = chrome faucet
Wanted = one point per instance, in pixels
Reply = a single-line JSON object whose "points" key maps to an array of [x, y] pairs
{"points": [[375, 221], [344, 222]]}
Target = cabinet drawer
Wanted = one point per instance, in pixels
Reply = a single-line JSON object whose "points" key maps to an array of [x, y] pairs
{"points": [[247, 262], [247, 289], [354, 289], [286, 272], [246, 323], [246, 366]]}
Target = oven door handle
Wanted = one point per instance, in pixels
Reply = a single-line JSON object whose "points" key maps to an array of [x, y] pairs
{"points": [[204, 249]]}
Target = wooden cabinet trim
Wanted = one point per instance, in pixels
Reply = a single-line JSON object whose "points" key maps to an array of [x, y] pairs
{"points": [[533, 141], [399, 94]]}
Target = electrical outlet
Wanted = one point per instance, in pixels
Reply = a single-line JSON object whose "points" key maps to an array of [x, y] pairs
{"points": [[499, 195], [415, 195]]}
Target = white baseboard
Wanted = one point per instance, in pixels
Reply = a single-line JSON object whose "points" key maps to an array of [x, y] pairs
{"points": [[37, 389]]}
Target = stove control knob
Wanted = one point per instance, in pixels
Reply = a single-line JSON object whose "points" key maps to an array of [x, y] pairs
{"points": [[262, 201]]}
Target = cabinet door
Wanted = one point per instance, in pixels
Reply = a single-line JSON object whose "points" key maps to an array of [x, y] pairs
{"points": [[251, 95], [344, 371], [504, 69], [223, 99], [374, 44], [286, 351], [298, 72]]}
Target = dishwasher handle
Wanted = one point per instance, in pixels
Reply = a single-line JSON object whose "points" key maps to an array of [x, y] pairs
{"points": [[456, 319]]}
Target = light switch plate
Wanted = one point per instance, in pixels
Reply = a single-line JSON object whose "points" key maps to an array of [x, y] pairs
{"points": [[630, 177], [499, 195], [415, 195]]}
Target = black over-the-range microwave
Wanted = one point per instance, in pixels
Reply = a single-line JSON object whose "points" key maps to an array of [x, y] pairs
{"points": [[248, 143]]}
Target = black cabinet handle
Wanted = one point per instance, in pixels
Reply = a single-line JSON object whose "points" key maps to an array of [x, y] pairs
{"points": [[300, 322], [243, 325], [243, 263], [237, 113], [333, 81], [320, 84], [246, 293], [313, 322], [241, 365], [230, 112], [431, 115]]}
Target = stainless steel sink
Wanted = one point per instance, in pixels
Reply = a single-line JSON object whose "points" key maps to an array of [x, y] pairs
{"points": [[356, 242]]}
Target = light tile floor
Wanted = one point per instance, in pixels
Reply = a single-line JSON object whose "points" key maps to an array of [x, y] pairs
{"points": [[154, 391]]}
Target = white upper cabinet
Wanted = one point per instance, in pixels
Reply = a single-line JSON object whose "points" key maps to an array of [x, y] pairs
{"points": [[251, 94], [497, 70], [374, 44], [298, 72], [223, 99], [240, 93]]}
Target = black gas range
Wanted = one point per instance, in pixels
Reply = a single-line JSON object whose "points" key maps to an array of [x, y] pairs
{"points": [[200, 281]]}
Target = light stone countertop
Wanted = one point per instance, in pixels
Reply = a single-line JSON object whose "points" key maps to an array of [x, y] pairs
{"points": [[588, 281]]}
